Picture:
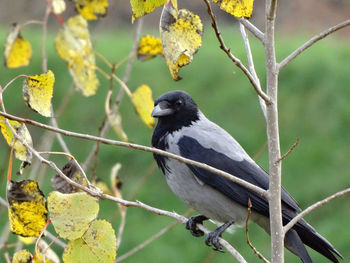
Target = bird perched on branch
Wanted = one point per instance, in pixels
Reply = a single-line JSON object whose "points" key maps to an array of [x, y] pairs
{"points": [[183, 129]]}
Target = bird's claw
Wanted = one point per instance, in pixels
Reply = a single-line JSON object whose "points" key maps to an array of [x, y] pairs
{"points": [[192, 222], [213, 240], [213, 237]]}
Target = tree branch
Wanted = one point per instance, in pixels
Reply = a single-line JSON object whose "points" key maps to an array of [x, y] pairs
{"points": [[252, 67], [253, 29], [276, 226], [235, 60], [313, 207], [311, 42], [289, 151], [228, 176], [123, 202], [120, 95]]}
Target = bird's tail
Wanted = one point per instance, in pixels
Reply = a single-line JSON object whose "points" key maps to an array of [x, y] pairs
{"points": [[303, 233]]}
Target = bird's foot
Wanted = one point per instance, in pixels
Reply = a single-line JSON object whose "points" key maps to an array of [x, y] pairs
{"points": [[213, 237], [192, 222]]}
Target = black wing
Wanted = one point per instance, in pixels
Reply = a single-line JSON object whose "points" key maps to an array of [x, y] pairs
{"points": [[190, 148]]}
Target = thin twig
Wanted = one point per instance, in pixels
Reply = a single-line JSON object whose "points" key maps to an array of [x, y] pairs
{"points": [[247, 234], [260, 151], [44, 35], [252, 67], [252, 28], [211, 169], [143, 180], [49, 138], [235, 60], [313, 207], [117, 200], [102, 57], [3, 202], [57, 241], [120, 95], [147, 242], [11, 81], [7, 257], [311, 42], [44, 67], [133, 52], [289, 151]]}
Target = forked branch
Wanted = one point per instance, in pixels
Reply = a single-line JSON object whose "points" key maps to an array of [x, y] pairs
{"points": [[235, 60]]}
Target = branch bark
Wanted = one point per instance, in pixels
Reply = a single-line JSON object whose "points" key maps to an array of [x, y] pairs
{"points": [[311, 42], [276, 227], [123, 202], [235, 60], [121, 93], [252, 28], [139, 147], [313, 207], [251, 66]]}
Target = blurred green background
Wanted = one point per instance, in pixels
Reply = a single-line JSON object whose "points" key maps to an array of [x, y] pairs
{"points": [[314, 100]]}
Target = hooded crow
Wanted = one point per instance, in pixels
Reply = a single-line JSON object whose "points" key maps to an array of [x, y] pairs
{"points": [[183, 129]]}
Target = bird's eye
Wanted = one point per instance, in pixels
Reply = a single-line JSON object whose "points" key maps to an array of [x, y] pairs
{"points": [[178, 103]]}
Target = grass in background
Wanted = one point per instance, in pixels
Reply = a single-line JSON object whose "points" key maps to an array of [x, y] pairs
{"points": [[313, 105]]}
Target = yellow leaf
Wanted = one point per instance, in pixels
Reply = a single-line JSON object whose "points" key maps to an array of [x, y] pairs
{"points": [[17, 51], [149, 47], [72, 214], [58, 6], [115, 120], [73, 172], [143, 103], [90, 9], [37, 92], [237, 8], [21, 151], [27, 240], [181, 35], [141, 8], [97, 245], [22, 256], [27, 208], [73, 45]]}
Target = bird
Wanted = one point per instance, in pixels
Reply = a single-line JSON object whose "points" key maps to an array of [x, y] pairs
{"points": [[182, 129]]}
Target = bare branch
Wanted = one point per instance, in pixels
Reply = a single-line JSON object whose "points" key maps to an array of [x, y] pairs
{"points": [[55, 239], [252, 67], [313, 207], [123, 202], [235, 60], [253, 29], [120, 96], [43, 40], [146, 243], [289, 151], [311, 42], [3, 202], [211, 169], [271, 9], [247, 234], [276, 226]]}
